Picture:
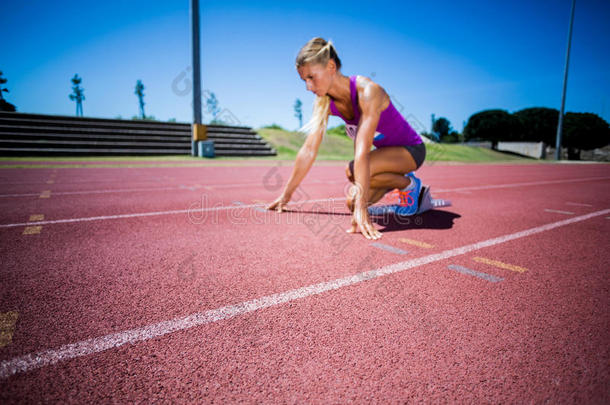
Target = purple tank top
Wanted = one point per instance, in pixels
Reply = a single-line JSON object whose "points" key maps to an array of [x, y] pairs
{"points": [[392, 129]]}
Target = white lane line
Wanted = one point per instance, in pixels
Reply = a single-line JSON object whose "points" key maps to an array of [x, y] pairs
{"points": [[579, 204], [492, 186], [44, 358], [511, 185], [210, 187], [559, 211], [258, 184], [118, 190], [260, 209], [193, 211], [135, 190]]}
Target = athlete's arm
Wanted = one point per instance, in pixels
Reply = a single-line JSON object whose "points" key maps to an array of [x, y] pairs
{"points": [[371, 103], [305, 158]]}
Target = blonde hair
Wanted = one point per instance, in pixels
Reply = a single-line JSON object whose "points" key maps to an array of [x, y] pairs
{"points": [[319, 51]]}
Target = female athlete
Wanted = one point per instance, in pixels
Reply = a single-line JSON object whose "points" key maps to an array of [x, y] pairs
{"points": [[371, 120]]}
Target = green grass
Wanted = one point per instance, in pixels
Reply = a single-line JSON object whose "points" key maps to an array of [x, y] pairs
{"points": [[338, 146], [287, 144], [443, 152]]}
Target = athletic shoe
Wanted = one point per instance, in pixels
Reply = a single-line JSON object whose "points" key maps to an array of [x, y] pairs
{"points": [[408, 200]]}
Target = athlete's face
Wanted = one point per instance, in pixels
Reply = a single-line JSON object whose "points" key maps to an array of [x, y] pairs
{"points": [[317, 77]]}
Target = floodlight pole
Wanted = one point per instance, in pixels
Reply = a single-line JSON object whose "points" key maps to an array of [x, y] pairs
{"points": [[196, 67], [565, 83]]}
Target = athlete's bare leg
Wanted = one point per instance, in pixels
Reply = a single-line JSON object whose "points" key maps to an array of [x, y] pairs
{"points": [[388, 166]]}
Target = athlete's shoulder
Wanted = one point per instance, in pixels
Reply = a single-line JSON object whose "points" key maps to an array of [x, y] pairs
{"points": [[371, 92], [364, 82]]}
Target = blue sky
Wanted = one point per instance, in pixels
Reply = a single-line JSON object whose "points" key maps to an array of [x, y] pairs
{"points": [[449, 58]]}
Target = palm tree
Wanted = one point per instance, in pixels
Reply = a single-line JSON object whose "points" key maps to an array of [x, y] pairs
{"points": [[78, 94], [2, 81], [140, 93], [298, 112], [212, 104], [4, 105]]}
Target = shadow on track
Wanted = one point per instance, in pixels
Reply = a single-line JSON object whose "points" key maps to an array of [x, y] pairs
{"points": [[433, 219]]}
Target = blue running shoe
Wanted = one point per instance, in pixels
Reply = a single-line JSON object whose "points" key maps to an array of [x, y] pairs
{"points": [[409, 199]]}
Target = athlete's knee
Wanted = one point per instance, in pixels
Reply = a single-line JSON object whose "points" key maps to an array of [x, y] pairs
{"points": [[350, 203], [349, 171]]}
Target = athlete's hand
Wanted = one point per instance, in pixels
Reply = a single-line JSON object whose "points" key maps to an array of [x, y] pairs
{"points": [[279, 203], [360, 219]]}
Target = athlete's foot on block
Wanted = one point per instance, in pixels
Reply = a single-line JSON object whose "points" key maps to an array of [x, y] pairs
{"points": [[409, 199]]}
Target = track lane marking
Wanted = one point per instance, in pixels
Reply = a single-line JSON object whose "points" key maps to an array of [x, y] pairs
{"points": [[172, 212], [211, 187], [500, 264], [511, 185], [82, 348], [416, 243], [8, 320], [127, 190], [156, 213], [256, 207], [118, 190], [559, 211], [579, 204], [32, 230], [389, 248], [470, 272]]}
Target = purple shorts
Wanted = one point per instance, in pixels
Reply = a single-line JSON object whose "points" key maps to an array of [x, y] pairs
{"points": [[417, 151]]}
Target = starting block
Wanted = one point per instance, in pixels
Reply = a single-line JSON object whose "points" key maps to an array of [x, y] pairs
{"points": [[426, 203]]}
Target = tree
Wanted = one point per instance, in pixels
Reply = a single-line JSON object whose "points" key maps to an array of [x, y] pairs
{"points": [[539, 124], [446, 134], [140, 93], [584, 131], [2, 88], [147, 118], [298, 111], [5, 105], [442, 127], [212, 104], [77, 94], [451, 137], [494, 126]]}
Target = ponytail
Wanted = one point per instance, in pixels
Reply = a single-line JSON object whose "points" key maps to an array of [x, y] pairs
{"points": [[319, 117]]}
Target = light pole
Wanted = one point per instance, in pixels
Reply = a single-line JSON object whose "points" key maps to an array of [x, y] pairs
{"points": [[565, 83], [196, 74]]}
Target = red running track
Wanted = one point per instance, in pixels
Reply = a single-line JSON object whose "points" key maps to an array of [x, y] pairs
{"points": [[170, 284]]}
